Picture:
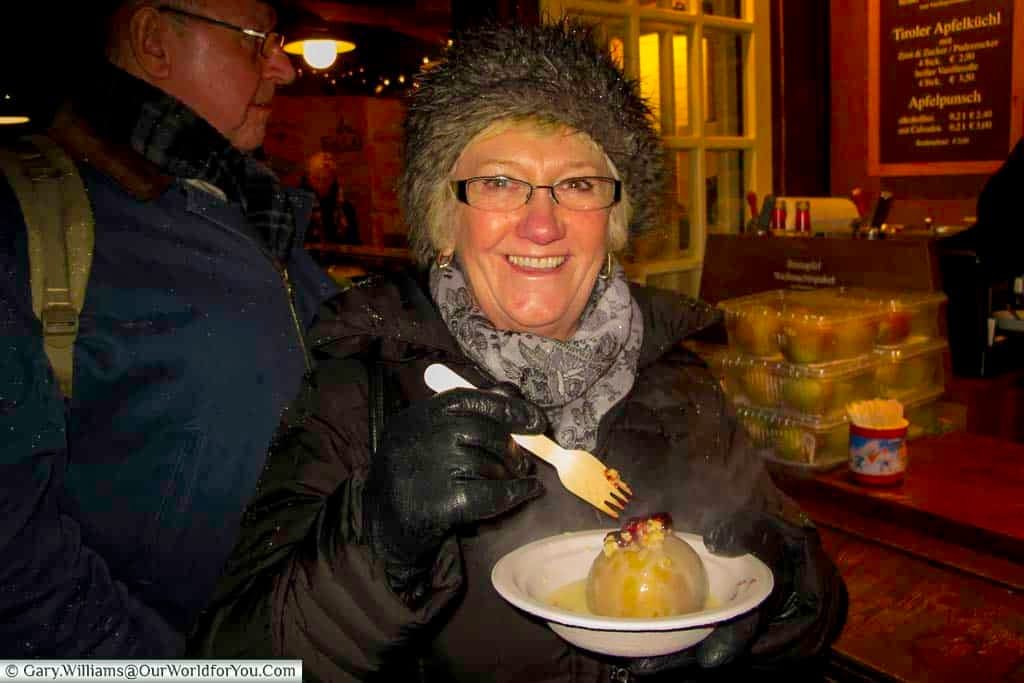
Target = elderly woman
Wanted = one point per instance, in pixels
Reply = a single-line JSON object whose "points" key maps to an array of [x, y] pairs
{"points": [[528, 161]]}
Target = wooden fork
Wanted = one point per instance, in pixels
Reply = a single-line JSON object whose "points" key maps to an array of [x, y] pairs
{"points": [[578, 470]]}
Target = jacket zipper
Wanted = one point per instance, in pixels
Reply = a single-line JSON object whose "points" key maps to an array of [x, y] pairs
{"points": [[290, 290]]}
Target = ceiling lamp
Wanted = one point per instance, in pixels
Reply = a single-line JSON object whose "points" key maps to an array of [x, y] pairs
{"points": [[318, 45], [10, 113]]}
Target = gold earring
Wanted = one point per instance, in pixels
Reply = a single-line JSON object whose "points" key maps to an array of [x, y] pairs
{"points": [[606, 272], [444, 260]]}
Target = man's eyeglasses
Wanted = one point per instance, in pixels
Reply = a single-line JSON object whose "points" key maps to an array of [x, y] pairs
{"points": [[501, 193], [268, 43]]}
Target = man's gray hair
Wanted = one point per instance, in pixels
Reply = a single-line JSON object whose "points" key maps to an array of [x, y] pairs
{"points": [[550, 75]]}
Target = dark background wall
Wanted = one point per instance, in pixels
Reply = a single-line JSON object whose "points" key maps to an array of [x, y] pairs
{"points": [[800, 97]]}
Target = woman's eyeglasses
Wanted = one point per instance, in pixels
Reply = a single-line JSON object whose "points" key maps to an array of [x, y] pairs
{"points": [[501, 193]]}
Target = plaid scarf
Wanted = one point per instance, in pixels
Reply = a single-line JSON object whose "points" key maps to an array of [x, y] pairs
{"points": [[126, 110]]}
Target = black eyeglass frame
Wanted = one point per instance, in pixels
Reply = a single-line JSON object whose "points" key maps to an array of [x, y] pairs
{"points": [[459, 187], [264, 37]]}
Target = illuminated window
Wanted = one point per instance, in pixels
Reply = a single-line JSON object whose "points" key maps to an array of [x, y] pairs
{"points": [[650, 73], [704, 67]]}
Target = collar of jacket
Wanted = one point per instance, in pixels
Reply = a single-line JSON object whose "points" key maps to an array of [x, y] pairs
{"points": [[396, 308], [137, 175], [669, 318]]}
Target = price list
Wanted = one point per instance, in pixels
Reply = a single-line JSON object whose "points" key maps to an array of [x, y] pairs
{"points": [[945, 81]]}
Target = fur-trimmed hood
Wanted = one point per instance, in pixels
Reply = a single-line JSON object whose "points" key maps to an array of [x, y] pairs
{"points": [[553, 72]]}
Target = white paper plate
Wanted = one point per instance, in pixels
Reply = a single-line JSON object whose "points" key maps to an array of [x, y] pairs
{"points": [[527, 577]]}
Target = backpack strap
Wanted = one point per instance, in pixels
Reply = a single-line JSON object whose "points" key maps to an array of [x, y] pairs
{"points": [[59, 226]]}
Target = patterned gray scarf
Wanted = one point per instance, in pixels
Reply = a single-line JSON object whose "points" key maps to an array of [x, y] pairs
{"points": [[576, 381]]}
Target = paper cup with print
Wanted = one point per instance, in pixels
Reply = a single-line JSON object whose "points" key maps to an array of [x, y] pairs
{"points": [[878, 442]]}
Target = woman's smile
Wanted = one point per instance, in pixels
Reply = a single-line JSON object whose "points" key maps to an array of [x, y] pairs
{"points": [[536, 263]]}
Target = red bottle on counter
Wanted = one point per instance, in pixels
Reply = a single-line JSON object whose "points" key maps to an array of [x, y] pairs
{"points": [[802, 220], [778, 216]]}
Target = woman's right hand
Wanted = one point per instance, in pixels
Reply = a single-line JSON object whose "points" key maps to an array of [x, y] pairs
{"points": [[444, 462]]}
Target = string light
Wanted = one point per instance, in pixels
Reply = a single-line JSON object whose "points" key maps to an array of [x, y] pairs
{"points": [[355, 75]]}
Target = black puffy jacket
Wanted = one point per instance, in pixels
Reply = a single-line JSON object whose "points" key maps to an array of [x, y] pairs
{"points": [[302, 584]]}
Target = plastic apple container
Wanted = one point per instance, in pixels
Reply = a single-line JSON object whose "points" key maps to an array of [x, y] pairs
{"points": [[800, 444], [801, 326], [910, 370], [909, 316], [814, 391]]}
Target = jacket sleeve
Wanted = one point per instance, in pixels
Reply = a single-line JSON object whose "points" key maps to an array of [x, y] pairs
{"points": [[58, 596], [301, 582]]}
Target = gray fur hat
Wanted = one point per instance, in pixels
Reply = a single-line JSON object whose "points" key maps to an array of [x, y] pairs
{"points": [[553, 73]]}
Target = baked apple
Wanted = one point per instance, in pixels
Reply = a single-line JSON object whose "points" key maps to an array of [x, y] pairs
{"points": [[644, 571]]}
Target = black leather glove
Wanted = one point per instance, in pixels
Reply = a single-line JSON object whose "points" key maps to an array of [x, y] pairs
{"points": [[445, 462], [803, 614]]}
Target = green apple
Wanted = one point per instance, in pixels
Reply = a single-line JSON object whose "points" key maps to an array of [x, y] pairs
{"points": [[854, 337], [756, 332], [807, 394], [807, 340], [894, 327]]}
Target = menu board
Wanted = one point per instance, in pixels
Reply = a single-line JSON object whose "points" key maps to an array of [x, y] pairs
{"points": [[942, 85]]}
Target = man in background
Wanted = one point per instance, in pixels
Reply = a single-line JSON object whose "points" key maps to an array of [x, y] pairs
{"points": [[334, 217], [119, 504]]}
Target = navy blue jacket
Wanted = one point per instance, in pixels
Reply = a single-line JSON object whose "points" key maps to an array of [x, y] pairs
{"points": [[119, 507]]}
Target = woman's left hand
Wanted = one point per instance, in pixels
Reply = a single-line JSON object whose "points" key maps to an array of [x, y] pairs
{"points": [[798, 620]]}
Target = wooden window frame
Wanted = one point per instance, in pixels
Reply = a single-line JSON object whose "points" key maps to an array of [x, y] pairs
{"points": [[756, 142]]}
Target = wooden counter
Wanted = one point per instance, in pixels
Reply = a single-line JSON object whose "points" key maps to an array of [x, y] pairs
{"points": [[934, 567], [995, 405]]}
